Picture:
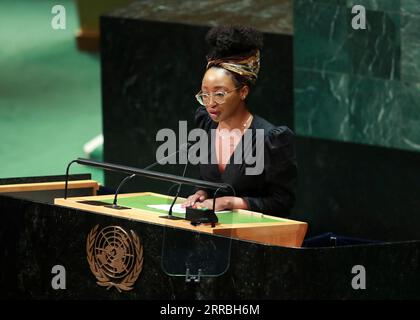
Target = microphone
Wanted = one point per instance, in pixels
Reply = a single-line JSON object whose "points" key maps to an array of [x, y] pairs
{"points": [[170, 216], [183, 147]]}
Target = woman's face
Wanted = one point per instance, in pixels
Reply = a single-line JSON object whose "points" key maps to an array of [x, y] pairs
{"points": [[217, 80]]}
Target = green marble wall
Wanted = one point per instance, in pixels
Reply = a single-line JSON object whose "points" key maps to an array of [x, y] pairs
{"points": [[352, 85]]}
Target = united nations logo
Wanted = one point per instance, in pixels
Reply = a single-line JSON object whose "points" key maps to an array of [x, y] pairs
{"points": [[115, 257]]}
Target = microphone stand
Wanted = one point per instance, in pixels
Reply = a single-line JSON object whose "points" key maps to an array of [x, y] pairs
{"points": [[114, 204], [170, 216], [191, 216]]}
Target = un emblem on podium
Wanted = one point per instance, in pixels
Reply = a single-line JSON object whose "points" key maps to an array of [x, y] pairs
{"points": [[115, 257]]}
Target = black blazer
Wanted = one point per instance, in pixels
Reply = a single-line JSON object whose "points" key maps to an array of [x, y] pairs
{"points": [[271, 192]]}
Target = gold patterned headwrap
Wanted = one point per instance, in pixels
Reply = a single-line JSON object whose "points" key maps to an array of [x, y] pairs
{"points": [[247, 66]]}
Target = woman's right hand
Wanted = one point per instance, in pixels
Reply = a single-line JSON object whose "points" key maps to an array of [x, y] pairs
{"points": [[199, 196]]}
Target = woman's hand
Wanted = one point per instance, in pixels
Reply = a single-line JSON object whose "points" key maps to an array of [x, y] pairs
{"points": [[199, 196], [226, 203], [221, 204]]}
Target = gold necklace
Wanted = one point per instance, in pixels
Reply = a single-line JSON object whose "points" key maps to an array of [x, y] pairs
{"points": [[232, 143], [246, 124]]}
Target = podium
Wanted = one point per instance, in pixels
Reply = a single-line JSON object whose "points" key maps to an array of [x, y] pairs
{"points": [[110, 254], [238, 224]]}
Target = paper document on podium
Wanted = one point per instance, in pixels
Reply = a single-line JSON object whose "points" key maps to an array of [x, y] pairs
{"points": [[176, 208]]}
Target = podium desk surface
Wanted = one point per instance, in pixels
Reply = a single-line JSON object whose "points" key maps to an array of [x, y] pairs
{"points": [[239, 224]]}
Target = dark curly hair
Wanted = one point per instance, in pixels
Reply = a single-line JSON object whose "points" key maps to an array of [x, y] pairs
{"points": [[226, 41]]}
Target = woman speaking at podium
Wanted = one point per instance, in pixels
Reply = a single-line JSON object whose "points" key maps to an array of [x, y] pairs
{"points": [[232, 70]]}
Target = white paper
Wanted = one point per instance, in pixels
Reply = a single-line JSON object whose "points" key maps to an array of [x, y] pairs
{"points": [[165, 207], [176, 208]]}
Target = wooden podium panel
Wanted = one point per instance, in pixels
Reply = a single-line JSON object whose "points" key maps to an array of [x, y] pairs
{"points": [[47, 191], [56, 185], [238, 224]]}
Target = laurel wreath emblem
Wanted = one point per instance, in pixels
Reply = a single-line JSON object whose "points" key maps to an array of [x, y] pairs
{"points": [[126, 283]]}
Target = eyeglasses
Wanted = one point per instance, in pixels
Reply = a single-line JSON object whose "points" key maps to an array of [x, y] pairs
{"points": [[219, 97]]}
